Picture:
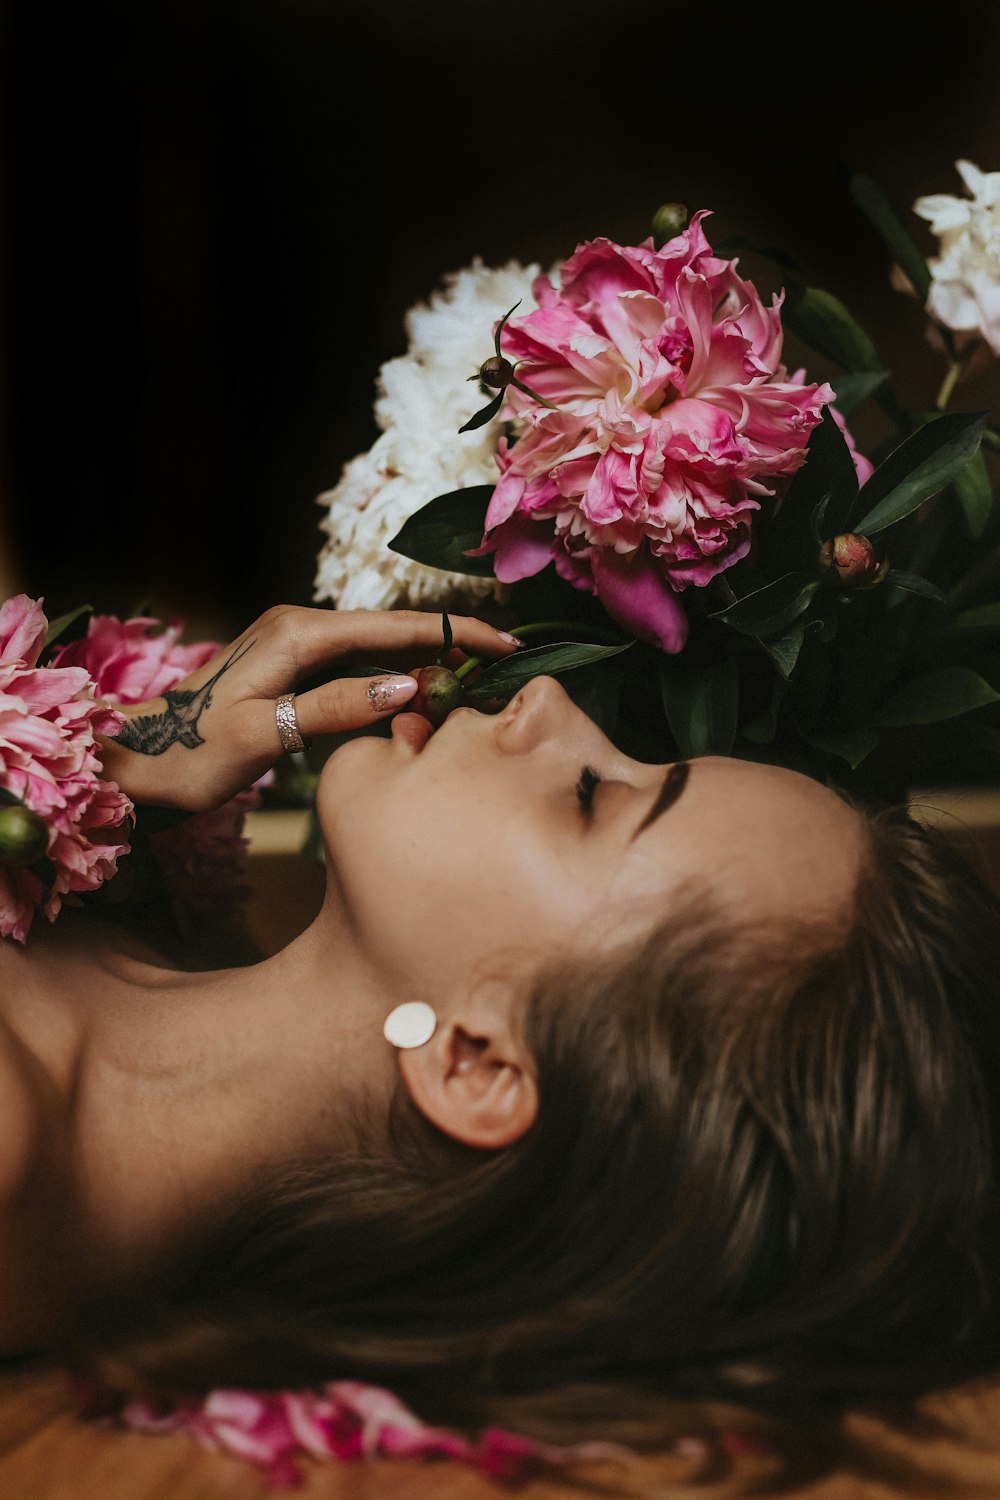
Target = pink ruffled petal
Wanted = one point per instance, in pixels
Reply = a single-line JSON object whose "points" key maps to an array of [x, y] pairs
{"points": [[675, 418], [23, 628]]}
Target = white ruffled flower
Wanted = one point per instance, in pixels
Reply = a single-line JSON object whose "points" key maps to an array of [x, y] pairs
{"points": [[424, 397], [965, 292]]}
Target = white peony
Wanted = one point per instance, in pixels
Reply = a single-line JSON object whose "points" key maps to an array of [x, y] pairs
{"points": [[424, 398], [965, 292]]}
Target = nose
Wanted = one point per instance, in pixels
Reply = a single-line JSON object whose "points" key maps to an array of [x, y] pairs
{"points": [[535, 714]]}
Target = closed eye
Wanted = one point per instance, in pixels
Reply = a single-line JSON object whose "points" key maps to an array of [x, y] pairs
{"points": [[586, 785]]}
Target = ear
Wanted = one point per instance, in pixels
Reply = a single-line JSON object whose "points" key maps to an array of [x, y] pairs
{"points": [[474, 1079]]}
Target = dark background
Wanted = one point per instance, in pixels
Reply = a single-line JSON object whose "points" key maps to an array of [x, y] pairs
{"points": [[216, 212]]}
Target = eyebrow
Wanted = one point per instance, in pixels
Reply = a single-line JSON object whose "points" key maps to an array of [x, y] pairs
{"points": [[673, 784]]}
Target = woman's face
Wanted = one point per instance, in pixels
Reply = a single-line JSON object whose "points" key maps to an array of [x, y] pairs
{"points": [[494, 837]]}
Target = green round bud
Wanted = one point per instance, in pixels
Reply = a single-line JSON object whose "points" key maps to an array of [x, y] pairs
{"points": [[439, 691], [496, 372], [24, 836], [851, 562], [669, 219]]}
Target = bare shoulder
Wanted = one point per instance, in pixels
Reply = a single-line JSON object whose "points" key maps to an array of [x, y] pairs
{"points": [[32, 1158], [21, 1105], [21, 1115]]}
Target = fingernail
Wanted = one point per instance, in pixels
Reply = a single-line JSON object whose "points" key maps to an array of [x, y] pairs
{"points": [[390, 692], [511, 640]]}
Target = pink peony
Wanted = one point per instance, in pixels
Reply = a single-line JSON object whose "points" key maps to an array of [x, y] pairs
{"points": [[347, 1420], [674, 417], [129, 662], [49, 761], [203, 859]]}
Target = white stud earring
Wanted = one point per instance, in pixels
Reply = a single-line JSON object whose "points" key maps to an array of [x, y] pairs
{"points": [[410, 1025]]}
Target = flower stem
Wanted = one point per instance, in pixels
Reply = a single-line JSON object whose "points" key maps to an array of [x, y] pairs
{"points": [[955, 368], [948, 385]]}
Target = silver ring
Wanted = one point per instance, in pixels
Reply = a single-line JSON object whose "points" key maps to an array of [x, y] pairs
{"points": [[288, 724]]}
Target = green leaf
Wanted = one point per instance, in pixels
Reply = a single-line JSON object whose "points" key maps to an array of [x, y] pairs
{"points": [[769, 610], [984, 617], [59, 626], [884, 219], [701, 704], [827, 474], [824, 323], [852, 390], [819, 519], [500, 328], [912, 583], [784, 649], [944, 693], [502, 679], [852, 745], [762, 728], [440, 532], [975, 493], [598, 695], [921, 466], [485, 415]]}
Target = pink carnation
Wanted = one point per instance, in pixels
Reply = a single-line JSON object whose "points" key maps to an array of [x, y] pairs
{"points": [[674, 418], [49, 761]]}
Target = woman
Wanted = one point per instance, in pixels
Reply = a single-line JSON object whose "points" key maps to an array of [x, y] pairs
{"points": [[702, 1099]]}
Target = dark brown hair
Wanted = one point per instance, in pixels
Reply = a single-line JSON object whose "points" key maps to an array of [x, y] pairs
{"points": [[764, 1171]]}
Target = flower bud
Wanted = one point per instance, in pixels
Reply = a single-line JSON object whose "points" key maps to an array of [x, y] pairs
{"points": [[24, 836], [851, 562], [496, 372], [669, 219], [438, 692]]}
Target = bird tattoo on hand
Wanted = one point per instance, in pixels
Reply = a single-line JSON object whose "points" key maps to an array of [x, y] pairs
{"points": [[152, 734]]}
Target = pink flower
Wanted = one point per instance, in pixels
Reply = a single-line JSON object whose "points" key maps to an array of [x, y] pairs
{"points": [[49, 761], [674, 419], [202, 859], [346, 1420], [128, 662]]}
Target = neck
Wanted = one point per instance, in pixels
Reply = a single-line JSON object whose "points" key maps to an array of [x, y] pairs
{"points": [[191, 1089]]}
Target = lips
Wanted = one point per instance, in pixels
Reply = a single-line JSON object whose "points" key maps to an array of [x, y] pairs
{"points": [[413, 730]]}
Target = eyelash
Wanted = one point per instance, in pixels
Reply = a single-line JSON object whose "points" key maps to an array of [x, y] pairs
{"points": [[587, 783]]}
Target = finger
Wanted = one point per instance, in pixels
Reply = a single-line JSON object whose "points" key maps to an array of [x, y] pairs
{"points": [[351, 703], [321, 635]]}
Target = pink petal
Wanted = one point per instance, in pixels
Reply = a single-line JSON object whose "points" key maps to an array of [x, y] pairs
{"points": [[520, 548], [23, 628], [635, 594]]}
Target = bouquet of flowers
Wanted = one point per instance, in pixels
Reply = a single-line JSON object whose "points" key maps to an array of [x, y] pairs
{"points": [[64, 830], [648, 481]]}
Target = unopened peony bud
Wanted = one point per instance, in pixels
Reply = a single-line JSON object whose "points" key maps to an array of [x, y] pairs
{"points": [[439, 691], [24, 836], [851, 562], [669, 219], [496, 372]]}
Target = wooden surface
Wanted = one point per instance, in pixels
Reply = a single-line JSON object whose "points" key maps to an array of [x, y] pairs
{"points": [[47, 1453], [952, 1449]]}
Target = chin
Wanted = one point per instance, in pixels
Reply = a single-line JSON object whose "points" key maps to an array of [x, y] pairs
{"points": [[351, 771]]}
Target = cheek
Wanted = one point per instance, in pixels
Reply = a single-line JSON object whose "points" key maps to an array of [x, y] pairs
{"points": [[452, 866]]}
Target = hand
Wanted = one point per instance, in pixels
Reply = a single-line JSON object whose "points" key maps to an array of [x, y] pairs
{"points": [[213, 734]]}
